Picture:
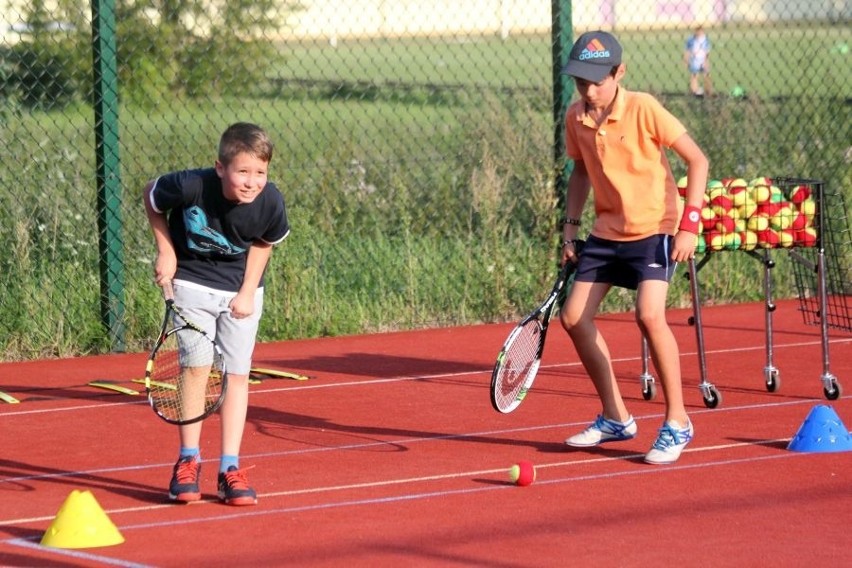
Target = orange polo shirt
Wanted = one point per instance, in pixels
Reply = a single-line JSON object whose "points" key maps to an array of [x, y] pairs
{"points": [[635, 194]]}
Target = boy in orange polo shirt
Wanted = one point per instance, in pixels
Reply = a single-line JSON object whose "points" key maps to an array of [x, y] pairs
{"points": [[616, 139]]}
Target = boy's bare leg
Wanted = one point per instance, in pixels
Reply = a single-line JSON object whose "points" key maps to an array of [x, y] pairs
{"points": [[233, 412], [663, 347], [577, 318]]}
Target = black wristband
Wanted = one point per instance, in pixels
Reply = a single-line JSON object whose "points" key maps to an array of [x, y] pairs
{"points": [[570, 221]]}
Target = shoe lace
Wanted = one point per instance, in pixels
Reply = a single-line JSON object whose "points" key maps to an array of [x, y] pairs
{"points": [[186, 471], [609, 426], [670, 437], [237, 479]]}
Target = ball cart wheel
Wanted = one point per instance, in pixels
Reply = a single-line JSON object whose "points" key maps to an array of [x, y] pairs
{"points": [[712, 398], [773, 380], [649, 390], [833, 393]]}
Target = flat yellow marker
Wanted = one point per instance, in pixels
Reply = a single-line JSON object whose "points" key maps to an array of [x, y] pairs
{"points": [[113, 387], [156, 384], [6, 397], [278, 373]]}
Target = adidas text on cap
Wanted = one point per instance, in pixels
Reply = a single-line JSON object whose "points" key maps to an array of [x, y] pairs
{"points": [[593, 56]]}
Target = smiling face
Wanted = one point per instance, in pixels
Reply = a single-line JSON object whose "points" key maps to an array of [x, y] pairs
{"points": [[243, 178]]}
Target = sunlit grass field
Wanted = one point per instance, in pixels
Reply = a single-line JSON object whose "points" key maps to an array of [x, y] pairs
{"points": [[419, 176], [781, 60]]}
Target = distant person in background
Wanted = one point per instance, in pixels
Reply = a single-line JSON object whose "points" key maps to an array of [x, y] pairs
{"points": [[697, 59]]}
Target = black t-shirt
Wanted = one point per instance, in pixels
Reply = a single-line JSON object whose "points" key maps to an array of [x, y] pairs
{"points": [[212, 235]]}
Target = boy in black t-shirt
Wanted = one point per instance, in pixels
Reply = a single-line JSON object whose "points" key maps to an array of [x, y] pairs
{"points": [[214, 229]]}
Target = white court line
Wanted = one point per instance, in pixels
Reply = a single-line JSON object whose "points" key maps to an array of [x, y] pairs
{"points": [[402, 441], [419, 479], [309, 386], [393, 443], [75, 554], [374, 501], [266, 511]]}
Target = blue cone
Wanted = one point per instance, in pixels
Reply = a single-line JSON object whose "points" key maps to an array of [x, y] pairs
{"points": [[822, 431]]}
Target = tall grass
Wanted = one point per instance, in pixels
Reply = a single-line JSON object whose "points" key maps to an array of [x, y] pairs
{"points": [[409, 206]]}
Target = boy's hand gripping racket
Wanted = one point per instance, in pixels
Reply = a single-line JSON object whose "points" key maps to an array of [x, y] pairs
{"points": [[185, 377], [518, 361]]}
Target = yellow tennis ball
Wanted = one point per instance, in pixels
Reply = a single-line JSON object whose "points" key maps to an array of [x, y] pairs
{"points": [[761, 194], [715, 240], [808, 208], [749, 240], [522, 473], [732, 241], [786, 238], [758, 223], [747, 208]]}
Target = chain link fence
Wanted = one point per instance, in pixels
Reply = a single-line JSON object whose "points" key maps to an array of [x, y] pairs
{"points": [[417, 145]]}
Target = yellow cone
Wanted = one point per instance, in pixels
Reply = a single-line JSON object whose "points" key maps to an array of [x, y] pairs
{"points": [[81, 523]]}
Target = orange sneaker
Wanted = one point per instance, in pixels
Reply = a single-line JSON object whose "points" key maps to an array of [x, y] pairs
{"points": [[234, 488], [184, 484]]}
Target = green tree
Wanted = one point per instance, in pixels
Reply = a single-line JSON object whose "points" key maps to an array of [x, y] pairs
{"points": [[166, 48], [198, 48]]}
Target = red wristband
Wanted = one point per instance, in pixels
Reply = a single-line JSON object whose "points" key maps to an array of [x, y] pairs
{"points": [[691, 219]]}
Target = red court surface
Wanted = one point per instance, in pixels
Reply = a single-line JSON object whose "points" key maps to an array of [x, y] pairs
{"points": [[391, 455]]}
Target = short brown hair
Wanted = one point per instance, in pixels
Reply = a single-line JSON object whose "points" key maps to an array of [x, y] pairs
{"points": [[245, 137]]}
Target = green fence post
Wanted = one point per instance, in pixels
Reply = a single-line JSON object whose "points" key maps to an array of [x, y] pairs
{"points": [[108, 164], [563, 90]]}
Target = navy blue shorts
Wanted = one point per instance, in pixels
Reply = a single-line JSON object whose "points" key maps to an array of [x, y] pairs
{"points": [[625, 264]]}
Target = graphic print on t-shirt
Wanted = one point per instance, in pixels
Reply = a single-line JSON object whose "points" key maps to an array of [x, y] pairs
{"points": [[200, 237]]}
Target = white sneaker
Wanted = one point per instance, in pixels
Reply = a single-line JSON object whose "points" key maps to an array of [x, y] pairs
{"points": [[669, 444], [604, 430]]}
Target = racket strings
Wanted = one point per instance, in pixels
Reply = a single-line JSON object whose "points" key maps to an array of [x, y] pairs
{"points": [[187, 377], [519, 358]]}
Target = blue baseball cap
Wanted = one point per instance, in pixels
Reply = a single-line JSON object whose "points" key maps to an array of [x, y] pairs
{"points": [[593, 56]]}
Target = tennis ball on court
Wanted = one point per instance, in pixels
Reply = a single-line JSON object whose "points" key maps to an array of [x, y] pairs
{"points": [[522, 473]]}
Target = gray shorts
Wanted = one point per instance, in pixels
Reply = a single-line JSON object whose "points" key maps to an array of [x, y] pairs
{"points": [[209, 310]]}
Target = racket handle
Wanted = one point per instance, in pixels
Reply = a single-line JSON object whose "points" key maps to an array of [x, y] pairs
{"points": [[168, 290]]}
